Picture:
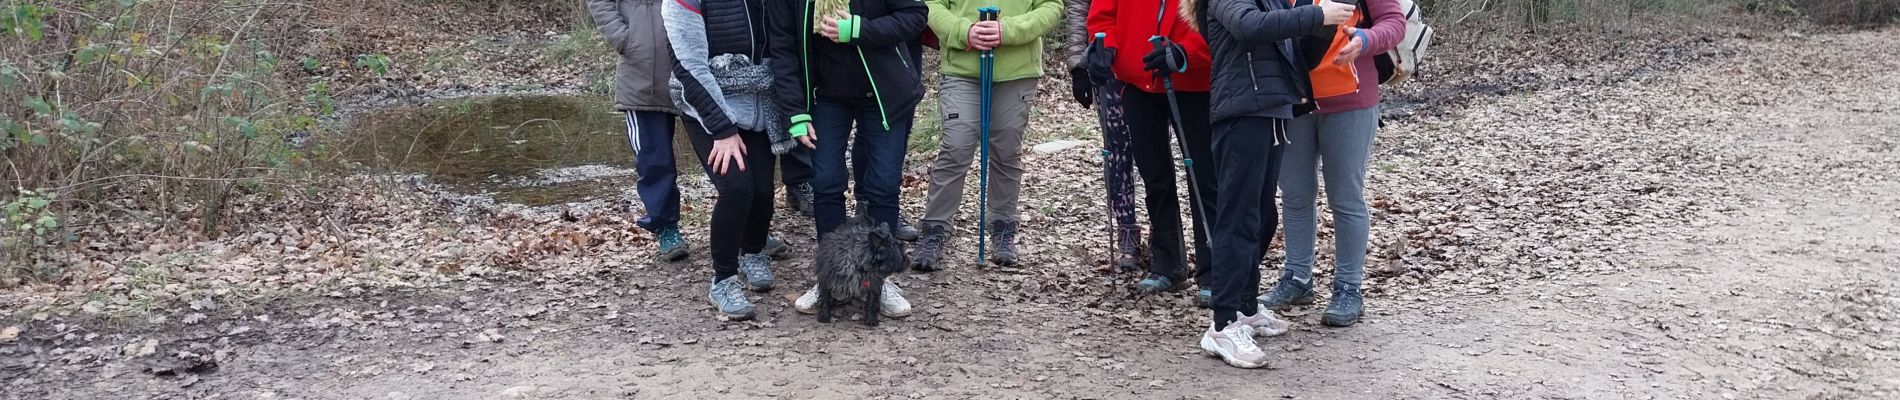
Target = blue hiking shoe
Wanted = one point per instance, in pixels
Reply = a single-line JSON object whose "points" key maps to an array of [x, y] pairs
{"points": [[730, 299], [757, 270], [775, 248], [1204, 298], [1344, 309], [1155, 283], [1287, 293], [673, 247]]}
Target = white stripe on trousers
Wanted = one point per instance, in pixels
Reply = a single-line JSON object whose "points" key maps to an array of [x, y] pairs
{"points": [[633, 132]]}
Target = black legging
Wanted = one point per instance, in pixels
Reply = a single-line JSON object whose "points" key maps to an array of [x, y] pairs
{"points": [[1152, 147], [742, 215]]}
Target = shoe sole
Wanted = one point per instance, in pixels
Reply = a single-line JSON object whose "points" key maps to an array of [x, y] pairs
{"points": [[1303, 301], [1224, 359], [735, 317], [1329, 320]]}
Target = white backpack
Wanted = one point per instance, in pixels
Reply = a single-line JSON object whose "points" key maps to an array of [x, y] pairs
{"points": [[1402, 62]]}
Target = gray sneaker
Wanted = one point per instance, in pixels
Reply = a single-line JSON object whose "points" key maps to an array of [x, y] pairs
{"points": [[757, 269], [1286, 293], [903, 231], [1344, 309], [799, 199], [730, 299]]}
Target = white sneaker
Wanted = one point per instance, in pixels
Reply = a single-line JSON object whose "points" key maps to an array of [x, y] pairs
{"points": [[893, 298], [1265, 324], [808, 303], [1234, 345]]}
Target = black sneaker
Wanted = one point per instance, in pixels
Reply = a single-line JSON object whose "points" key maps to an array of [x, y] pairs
{"points": [[903, 231], [1003, 244], [929, 249], [1128, 248], [799, 198]]}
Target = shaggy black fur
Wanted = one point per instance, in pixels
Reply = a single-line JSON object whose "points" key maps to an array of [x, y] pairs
{"points": [[853, 262]]}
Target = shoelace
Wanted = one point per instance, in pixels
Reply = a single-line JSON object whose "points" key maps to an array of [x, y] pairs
{"points": [[728, 291], [1243, 339]]}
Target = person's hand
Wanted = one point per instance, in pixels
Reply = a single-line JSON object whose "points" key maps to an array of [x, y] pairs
{"points": [[1100, 62], [1335, 13], [829, 28], [1080, 86], [1353, 49], [1167, 58], [726, 153], [810, 139], [986, 35]]}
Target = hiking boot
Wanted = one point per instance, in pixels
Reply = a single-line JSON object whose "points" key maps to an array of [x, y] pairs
{"points": [[673, 247], [1003, 244], [1203, 298], [1128, 248], [903, 231], [1156, 283], [1286, 293], [1265, 324], [775, 248], [730, 299], [808, 303], [1344, 309], [1234, 345], [757, 269], [799, 199], [893, 303], [929, 249]]}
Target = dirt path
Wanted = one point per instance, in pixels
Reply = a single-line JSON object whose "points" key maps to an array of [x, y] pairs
{"points": [[1781, 284]]}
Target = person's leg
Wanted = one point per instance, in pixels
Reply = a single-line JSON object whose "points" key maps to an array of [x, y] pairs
{"points": [[833, 121], [1118, 171], [958, 99], [1200, 146], [760, 162], [732, 210], [1009, 117], [957, 102], [1345, 149], [795, 171], [1298, 188], [1246, 157], [651, 135], [883, 152], [1153, 151]]}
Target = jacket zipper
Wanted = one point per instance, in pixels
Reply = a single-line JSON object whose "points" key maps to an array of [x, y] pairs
{"points": [[1250, 72], [751, 36], [901, 57]]}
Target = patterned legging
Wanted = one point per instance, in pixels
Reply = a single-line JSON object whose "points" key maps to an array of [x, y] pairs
{"points": [[1117, 165]]}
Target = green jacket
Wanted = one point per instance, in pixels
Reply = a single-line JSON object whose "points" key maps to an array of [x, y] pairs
{"points": [[1024, 23]]}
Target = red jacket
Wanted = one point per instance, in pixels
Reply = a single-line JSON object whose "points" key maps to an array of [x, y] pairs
{"points": [[1129, 24]]}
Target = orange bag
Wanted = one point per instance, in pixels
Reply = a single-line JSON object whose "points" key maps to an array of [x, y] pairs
{"points": [[1331, 80]]}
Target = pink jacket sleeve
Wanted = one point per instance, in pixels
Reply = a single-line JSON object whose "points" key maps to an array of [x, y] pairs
{"points": [[1388, 26]]}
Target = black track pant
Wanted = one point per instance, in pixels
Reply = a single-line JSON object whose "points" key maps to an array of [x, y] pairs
{"points": [[743, 214], [1248, 155], [1152, 148]]}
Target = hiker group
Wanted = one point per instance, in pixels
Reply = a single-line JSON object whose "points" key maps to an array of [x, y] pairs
{"points": [[1254, 94]]}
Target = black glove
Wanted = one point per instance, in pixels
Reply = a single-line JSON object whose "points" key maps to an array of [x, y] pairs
{"points": [[1100, 62], [1168, 57], [1080, 85]]}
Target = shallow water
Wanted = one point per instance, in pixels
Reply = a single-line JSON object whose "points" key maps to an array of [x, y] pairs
{"points": [[531, 150]]}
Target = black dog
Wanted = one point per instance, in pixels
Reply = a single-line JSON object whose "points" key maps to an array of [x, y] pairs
{"points": [[853, 263]]}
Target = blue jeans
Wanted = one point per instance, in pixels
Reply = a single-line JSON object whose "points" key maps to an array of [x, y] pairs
{"points": [[880, 158], [651, 134], [1337, 145]]}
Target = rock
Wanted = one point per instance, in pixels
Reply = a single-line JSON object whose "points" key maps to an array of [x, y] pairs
{"points": [[1057, 146]]}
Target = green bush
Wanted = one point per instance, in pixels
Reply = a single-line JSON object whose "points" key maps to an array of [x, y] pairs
{"points": [[1851, 12]]}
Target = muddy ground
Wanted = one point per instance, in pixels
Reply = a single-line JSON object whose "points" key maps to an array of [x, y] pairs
{"points": [[1724, 227]]}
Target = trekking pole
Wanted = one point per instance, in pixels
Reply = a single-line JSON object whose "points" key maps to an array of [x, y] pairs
{"points": [[1101, 115], [1180, 138], [986, 67]]}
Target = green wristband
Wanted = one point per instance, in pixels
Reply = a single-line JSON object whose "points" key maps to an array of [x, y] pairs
{"points": [[801, 125]]}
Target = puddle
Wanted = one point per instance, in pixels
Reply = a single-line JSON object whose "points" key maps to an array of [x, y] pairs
{"points": [[529, 150]]}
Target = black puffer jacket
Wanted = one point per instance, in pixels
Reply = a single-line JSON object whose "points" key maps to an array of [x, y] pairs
{"points": [[1255, 55], [875, 65]]}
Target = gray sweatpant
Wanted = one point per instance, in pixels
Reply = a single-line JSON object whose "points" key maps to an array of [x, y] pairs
{"points": [[959, 103], [1338, 146]]}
